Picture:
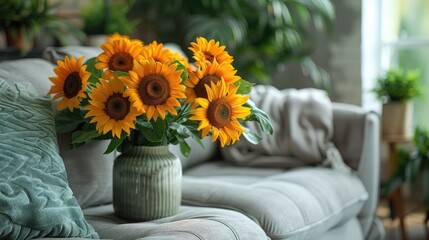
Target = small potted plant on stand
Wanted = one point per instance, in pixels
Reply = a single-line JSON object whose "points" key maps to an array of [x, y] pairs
{"points": [[412, 165], [395, 89]]}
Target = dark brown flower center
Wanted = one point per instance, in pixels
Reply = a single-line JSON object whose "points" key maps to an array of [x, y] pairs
{"points": [[72, 85], [154, 89], [117, 106], [219, 113], [121, 61], [209, 56], [200, 89]]}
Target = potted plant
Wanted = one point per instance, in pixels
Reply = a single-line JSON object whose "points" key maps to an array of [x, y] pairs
{"points": [[395, 89], [411, 165], [22, 20], [101, 18]]}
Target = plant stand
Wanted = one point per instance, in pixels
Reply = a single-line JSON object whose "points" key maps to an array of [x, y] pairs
{"points": [[396, 200]]}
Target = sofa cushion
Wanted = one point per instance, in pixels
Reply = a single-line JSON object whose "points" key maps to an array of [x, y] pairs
{"points": [[89, 170], [35, 199], [32, 73], [303, 202], [189, 223]]}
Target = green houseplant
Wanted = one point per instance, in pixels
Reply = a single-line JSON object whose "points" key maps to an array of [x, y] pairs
{"points": [[22, 20], [412, 165], [260, 34], [395, 89]]}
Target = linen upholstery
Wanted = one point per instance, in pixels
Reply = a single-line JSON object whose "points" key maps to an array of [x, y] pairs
{"points": [[301, 203], [303, 129], [32, 73], [35, 199], [199, 154], [357, 135], [189, 223]]}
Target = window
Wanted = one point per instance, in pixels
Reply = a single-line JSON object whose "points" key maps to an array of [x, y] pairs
{"points": [[396, 34]]}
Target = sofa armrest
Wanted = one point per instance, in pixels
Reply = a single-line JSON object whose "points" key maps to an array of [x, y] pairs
{"points": [[357, 137]]}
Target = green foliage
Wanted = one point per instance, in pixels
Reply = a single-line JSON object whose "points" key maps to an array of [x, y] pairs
{"points": [[260, 34], [411, 164], [398, 85], [30, 16], [101, 19]]}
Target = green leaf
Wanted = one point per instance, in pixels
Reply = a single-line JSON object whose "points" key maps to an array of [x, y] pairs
{"points": [[251, 136], [114, 143], [95, 73], [84, 136], [244, 86], [185, 149], [180, 66], [120, 73], [67, 121], [392, 183], [259, 116], [153, 131], [182, 130]]}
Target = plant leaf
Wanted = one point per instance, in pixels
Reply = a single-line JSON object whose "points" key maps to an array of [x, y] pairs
{"points": [[251, 136], [67, 121], [180, 66], [152, 131], [95, 73], [244, 86], [120, 73], [84, 136], [114, 143], [259, 116], [185, 149]]}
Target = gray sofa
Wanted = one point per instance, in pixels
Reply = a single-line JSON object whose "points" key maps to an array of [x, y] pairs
{"points": [[225, 201]]}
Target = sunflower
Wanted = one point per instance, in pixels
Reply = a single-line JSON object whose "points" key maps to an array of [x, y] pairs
{"points": [[116, 36], [209, 51], [110, 109], [70, 82], [118, 55], [209, 72], [157, 52], [154, 88], [219, 113]]}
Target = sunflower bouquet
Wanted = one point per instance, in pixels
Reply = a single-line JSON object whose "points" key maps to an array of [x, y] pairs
{"points": [[137, 94]]}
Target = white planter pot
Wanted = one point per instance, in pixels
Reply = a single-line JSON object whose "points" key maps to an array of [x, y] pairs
{"points": [[397, 119]]}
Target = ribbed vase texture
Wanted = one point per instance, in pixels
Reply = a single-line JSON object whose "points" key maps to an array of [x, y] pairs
{"points": [[147, 183]]}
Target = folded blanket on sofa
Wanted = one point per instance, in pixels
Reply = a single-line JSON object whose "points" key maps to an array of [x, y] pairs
{"points": [[303, 129]]}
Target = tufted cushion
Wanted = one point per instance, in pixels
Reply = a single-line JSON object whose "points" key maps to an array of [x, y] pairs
{"points": [[189, 223], [35, 199], [302, 203], [89, 170]]}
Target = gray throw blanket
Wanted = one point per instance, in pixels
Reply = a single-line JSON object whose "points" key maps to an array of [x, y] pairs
{"points": [[303, 128]]}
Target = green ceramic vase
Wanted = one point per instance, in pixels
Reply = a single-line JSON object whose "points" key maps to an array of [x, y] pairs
{"points": [[147, 183]]}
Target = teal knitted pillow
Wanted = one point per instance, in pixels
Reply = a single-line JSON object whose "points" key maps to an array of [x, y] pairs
{"points": [[35, 199]]}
